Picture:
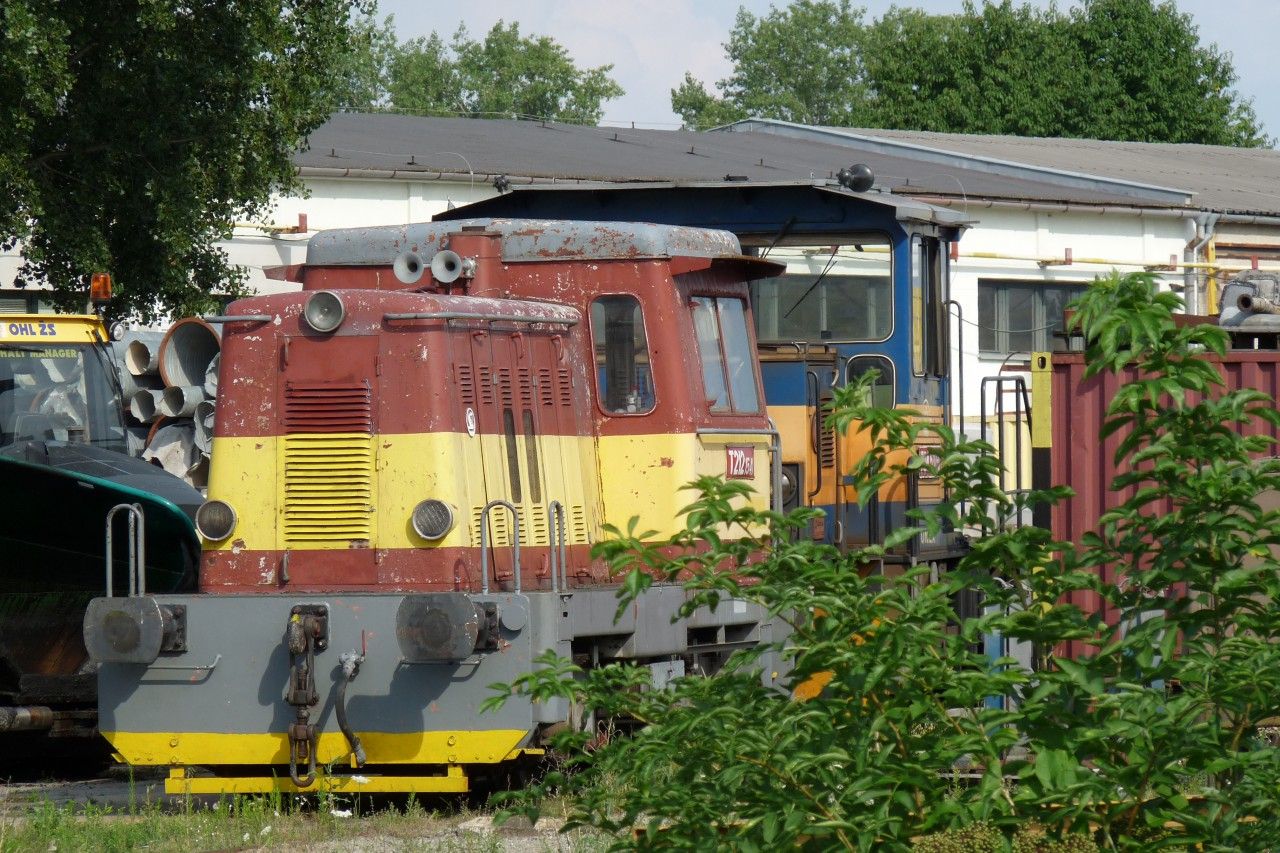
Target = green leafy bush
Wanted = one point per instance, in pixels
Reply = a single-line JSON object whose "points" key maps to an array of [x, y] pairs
{"points": [[895, 731]]}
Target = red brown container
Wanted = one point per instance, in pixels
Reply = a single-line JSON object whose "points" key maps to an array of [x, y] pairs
{"points": [[1078, 457]]}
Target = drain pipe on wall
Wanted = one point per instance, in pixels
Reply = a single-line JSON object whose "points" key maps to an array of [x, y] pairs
{"points": [[1194, 288]]}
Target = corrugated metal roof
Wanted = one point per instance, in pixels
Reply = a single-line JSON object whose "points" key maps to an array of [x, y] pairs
{"points": [[407, 146], [1224, 179]]}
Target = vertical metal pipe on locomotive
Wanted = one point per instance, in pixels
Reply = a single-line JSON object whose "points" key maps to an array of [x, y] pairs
{"points": [[412, 459]]}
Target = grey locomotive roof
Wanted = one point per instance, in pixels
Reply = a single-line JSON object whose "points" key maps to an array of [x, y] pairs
{"points": [[1218, 178], [523, 240], [409, 147]]}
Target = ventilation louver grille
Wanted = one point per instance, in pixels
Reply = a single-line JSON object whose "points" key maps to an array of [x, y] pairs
{"points": [[466, 385], [328, 465], [327, 407], [827, 447]]}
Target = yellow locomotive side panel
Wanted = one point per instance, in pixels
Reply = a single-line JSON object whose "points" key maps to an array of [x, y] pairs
{"points": [[795, 426], [407, 469], [243, 473], [856, 443], [659, 466], [416, 466]]}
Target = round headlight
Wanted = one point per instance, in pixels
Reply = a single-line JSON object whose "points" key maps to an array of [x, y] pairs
{"points": [[324, 311], [789, 484], [432, 519], [215, 520]]}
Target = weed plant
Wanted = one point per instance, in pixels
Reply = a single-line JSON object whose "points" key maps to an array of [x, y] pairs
{"points": [[1147, 740]]}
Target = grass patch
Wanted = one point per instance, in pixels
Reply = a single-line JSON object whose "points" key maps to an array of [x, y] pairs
{"points": [[270, 822]]}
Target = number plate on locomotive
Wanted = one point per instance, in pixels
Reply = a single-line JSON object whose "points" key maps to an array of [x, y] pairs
{"points": [[740, 463]]}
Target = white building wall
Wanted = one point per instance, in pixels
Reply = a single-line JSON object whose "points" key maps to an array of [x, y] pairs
{"points": [[329, 203], [1011, 245], [338, 203]]}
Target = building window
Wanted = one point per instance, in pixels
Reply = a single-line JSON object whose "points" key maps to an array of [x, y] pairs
{"points": [[623, 372], [728, 363], [1021, 316], [17, 302]]}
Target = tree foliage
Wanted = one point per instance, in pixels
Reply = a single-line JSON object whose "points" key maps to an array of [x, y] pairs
{"points": [[136, 133], [1152, 737], [1107, 69], [505, 75]]}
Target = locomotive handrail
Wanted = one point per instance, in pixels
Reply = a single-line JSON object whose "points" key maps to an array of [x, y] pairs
{"points": [[238, 318], [559, 556], [484, 543], [137, 548], [475, 315], [1021, 412], [956, 421], [775, 455]]}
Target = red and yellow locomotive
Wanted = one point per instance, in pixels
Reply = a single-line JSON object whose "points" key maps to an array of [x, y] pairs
{"points": [[413, 457]]}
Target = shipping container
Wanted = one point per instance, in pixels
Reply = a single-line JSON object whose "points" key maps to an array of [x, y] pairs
{"points": [[1069, 411]]}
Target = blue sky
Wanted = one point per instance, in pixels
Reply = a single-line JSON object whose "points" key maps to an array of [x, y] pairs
{"points": [[651, 44]]}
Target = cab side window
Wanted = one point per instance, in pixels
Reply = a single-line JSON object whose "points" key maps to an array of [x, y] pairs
{"points": [[728, 363], [624, 375]]}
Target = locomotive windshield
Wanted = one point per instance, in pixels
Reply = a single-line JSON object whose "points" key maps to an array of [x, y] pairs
{"points": [[728, 364], [840, 292], [59, 392]]}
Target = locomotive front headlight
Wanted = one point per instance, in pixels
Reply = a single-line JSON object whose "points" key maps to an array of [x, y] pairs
{"points": [[789, 484], [324, 311], [215, 520], [432, 519]]}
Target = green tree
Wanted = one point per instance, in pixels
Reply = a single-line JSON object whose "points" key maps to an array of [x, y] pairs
{"points": [[366, 70], [1107, 69], [803, 63], [1003, 69], [1153, 81], [135, 134], [506, 75]]}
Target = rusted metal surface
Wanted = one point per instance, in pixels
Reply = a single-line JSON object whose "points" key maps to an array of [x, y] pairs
{"points": [[523, 240], [1083, 460], [25, 718]]}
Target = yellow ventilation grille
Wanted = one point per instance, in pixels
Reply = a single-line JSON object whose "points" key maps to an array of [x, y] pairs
{"points": [[328, 490], [534, 529]]}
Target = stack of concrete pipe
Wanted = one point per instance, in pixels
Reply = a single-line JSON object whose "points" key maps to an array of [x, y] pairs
{"points": [[170, 380]]}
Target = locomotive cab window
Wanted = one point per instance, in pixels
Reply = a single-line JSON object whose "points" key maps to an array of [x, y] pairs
{"points": [[841, 292], [728, 363], [928, 307], [882, 393], [623, 372]]}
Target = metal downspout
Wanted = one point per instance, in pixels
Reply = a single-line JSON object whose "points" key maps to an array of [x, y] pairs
{"points": [[1193, 291]]}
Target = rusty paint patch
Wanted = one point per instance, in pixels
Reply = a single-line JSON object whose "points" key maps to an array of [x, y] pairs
{"points": [[667, 462]]}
